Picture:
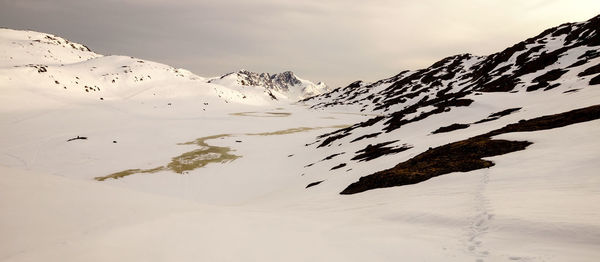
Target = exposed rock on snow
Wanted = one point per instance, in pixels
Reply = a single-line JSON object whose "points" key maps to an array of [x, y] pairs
{"points": [[283, 85], [558, 58], [466, 155]]}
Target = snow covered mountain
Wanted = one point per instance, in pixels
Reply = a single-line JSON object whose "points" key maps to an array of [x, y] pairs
{"points": [[544, 76], [538, 64], [476, 158], [284, 85], [47, 62]]}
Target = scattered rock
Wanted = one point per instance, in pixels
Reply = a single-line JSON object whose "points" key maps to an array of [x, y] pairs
{"points": [[498, 115], [314, 183], [590, 71], [450, 128], [77, 138], [371, 152], [338, 166], [365, 137], [332, 156], [595, 80]]}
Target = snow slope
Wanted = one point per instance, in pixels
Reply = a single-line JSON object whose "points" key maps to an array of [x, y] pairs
{"points": [[554, 72], [487, 214], [538, 204], [28, 47]]}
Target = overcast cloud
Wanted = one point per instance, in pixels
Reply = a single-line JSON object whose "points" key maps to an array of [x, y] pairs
{"points": [[332, 41]]}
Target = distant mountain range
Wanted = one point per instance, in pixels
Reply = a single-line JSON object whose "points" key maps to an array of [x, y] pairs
{"points": [[70, 65], [276, 85]]}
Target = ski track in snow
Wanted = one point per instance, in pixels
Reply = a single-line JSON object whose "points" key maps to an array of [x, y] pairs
{"points": [[481, 222]]}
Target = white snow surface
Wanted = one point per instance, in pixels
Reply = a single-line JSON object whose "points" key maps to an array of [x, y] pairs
{"points": [[539, 204]]}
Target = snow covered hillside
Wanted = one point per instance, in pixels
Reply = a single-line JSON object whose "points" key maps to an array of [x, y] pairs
{"points": [[43, 63], [561, 58], [284, 85], [114, 158], [28, 47], [465, 96]]}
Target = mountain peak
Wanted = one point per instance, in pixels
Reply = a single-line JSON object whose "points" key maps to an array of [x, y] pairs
{"points": [[285, 84], [41, 48]]}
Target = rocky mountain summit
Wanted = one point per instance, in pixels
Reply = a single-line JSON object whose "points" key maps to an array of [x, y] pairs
{"points": [[285, 84]]}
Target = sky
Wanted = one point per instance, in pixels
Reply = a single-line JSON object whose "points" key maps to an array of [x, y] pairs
{"points": [[333, 41]]}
